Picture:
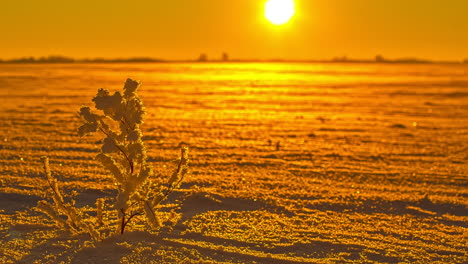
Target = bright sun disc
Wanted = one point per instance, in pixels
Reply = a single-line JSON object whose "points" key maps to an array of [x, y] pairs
{"points": [[279, 12]]}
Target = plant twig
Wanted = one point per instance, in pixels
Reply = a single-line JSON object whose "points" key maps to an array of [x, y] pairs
{"points": [[121, 150]]}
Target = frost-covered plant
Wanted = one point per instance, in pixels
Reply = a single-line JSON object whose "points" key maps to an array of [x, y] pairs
{"points": [[123, 155], [65, 215]]}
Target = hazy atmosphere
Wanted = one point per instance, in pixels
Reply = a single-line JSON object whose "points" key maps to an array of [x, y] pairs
{"points": [[233, 131], [182, 29]]}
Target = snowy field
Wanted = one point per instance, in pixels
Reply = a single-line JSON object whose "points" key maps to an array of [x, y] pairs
{"points": [[291, 163]]}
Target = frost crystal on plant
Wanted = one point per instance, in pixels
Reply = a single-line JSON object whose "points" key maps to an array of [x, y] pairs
{"points": [[123, 155]]}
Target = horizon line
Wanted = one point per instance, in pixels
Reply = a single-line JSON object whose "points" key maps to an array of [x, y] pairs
{"points": [[203, 59]]}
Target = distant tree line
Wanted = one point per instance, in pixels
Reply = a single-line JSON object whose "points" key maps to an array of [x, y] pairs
{"points": [[203, 57], [64, 59], [49, 59]]}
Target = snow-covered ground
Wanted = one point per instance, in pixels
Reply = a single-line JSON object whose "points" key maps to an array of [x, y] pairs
{"points": [[291, 163]]}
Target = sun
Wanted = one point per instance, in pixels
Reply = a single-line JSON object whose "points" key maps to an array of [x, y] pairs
{"points": [[279, 12]]}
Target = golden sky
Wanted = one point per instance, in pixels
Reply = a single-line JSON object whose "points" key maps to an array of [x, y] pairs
{"points": [[182, 29]]}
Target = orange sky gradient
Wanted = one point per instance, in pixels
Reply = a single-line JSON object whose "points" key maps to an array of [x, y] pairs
{"points": [[182, 29]]}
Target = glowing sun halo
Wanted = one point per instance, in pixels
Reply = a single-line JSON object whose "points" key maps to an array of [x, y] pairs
{"points": [[279, 12]]}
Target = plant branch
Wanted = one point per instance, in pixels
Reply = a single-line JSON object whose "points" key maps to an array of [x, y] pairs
{"points": [[130, 163], [171, 188], [131, 216], [122, 223], [48, 176]]}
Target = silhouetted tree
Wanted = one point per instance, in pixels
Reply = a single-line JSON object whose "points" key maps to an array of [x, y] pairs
{"points": [[203, 57], [340, 59], [225, 57], [379, 58]]}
